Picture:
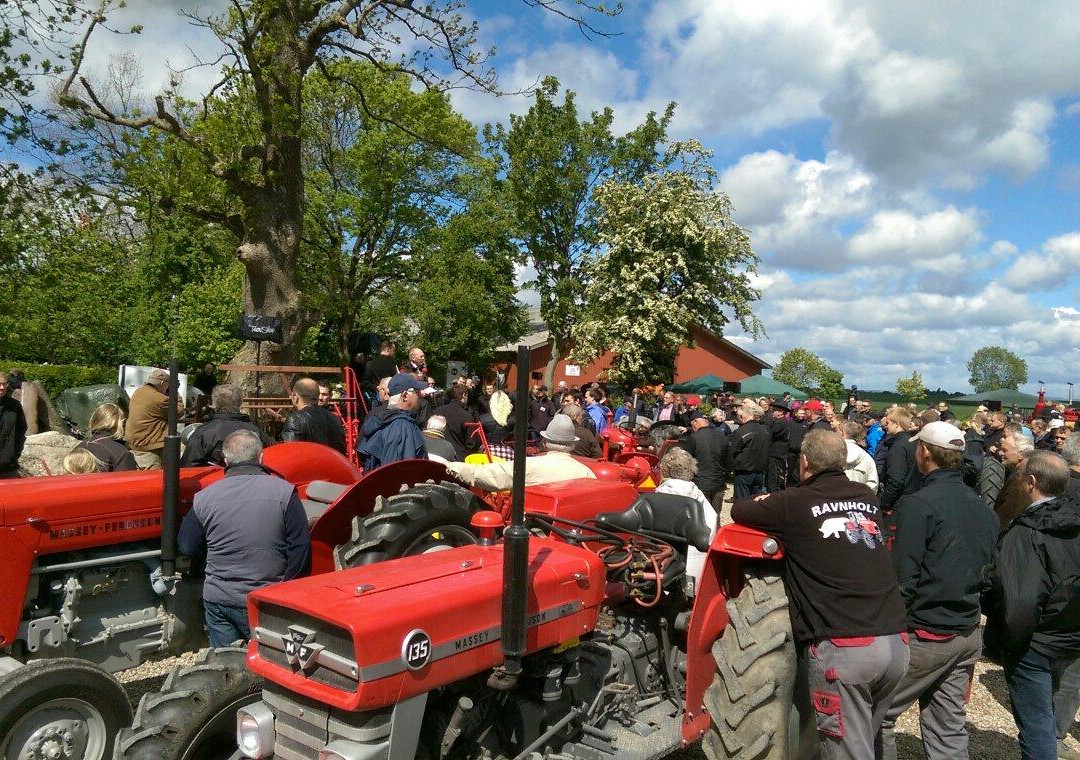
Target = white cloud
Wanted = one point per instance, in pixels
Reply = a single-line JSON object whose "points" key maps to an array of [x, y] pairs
{"points": [[1053, 267], [901, 237]]}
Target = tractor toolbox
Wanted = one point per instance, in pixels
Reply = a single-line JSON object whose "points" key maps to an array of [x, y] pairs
{"points": [[373, 636]]}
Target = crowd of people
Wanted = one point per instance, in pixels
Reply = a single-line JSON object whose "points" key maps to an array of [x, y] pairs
{"points": [[902, 528]]}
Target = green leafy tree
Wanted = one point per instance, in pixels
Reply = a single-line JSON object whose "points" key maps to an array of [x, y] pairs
{"points": [[554, 161], [995, 367], [268, 48], [809, 372], [912, 387], [672, 258]]}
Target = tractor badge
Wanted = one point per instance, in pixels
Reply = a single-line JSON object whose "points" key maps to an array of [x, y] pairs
{"points": [[300, 647], [416, 649]]}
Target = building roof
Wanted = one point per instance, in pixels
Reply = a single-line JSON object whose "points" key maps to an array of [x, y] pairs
{"points": [[539, 335]]}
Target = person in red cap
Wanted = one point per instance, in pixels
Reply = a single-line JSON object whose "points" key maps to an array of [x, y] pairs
{"points": [[693, 401], [814, 409]]}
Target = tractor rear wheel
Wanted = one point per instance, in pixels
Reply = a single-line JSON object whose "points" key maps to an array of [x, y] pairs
{"points": [[193, 716], [425, 518], [63, 708], [752, 699], [991, 480]]}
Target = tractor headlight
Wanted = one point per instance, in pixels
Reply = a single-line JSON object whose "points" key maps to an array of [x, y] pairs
{"points": [[255, 730]]}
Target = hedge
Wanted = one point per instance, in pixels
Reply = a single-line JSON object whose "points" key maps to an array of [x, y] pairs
{"points": [[56, 378]]}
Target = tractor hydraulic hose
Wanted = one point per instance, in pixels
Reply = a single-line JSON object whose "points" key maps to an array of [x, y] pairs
{"points": [[170, 465], [516, 537]]}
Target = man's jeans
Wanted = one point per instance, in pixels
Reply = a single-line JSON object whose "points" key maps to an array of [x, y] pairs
{"points": [[226, 624], [1067, 699], [749, 484], [1032, 681]]}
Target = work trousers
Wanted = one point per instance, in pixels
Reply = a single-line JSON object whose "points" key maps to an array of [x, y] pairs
{"points": [[749, 484], [938, 677], [1033, 679], [1067, 699], [776, 476], [851, 688]]}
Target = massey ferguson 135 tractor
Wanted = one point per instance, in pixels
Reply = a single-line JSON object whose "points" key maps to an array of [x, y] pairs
{"points": [[570, 632], [88, 584]]}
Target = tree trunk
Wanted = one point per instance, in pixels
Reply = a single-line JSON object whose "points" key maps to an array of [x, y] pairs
{"points": [[549, 370]]}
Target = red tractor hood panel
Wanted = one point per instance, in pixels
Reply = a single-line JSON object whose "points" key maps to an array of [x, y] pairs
{"points": [[372, 636]]}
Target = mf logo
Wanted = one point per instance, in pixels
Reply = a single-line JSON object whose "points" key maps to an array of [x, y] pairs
{"points": [[301, 649]]}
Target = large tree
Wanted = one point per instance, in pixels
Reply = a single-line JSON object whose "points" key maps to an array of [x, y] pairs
{"points": [[268, 47], [809, 372], [911, 388], [554, 162], [996, 367], [672, 259]]}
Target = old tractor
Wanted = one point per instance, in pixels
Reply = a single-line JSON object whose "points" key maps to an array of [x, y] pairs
{"points": [[89, 583], [570, 631]]}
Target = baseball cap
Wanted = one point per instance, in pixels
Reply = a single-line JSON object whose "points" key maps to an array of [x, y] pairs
{"points": [[157, 376], [693, 399], [813, 405], [1055, 423], [942, 435], [405, 381]]}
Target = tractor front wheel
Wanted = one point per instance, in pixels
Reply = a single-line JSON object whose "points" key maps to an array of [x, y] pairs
{"points": [[756, 713], [193, 716], [62, 708], [425, 518]]}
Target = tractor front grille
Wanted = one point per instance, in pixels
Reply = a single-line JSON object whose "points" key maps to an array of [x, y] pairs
{"points": [[334, 664], [303, 726]]}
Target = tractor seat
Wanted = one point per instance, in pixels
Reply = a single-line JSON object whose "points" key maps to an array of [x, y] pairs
{"points": [[676, 519], [320, 495]]}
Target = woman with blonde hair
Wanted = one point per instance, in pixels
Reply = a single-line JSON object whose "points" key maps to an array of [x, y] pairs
{"points": [[80, 461], [498, 424], [105, 440]]}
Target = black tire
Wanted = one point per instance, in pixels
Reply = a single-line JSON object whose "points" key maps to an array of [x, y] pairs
{"points": [[422, 518], [991, 480], [53, 692], [193, 716], [752, 699]]}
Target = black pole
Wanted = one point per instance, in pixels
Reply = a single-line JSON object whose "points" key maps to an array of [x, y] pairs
{"points": [[170, 465], [516, 537]]}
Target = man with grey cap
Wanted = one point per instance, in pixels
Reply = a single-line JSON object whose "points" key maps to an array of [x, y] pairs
{"points": [[554, 466], [147, 422], [944, 538]]}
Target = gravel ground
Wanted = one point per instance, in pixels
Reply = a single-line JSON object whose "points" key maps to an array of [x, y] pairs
{"points": [[990, 723]]}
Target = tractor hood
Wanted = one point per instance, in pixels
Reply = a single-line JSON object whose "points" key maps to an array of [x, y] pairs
{"points": [[372, 636]]}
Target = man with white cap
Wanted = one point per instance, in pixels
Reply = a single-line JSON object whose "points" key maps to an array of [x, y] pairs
{"points": [[944, 538], [554, 466]]}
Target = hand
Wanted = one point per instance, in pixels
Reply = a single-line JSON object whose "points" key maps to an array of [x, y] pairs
{"points": [[762, 496]]}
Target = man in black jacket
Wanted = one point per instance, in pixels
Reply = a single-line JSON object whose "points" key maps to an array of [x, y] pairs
{"points": [[797, 429], [12, 431], [1033, 603], [846, 612], [779, 430], [814, 411], [895, 458], [748, 451], [709, 447], [204, 445], [311, 422], [944, 539], [541, 411], [381, 366], [458, 415]]}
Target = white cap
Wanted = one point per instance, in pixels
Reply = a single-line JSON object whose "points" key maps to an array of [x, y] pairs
{"points": [[1056, 423], [941, 434]]}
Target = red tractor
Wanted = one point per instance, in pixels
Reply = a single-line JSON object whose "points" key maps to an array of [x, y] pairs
{"points": [[574, 634]]}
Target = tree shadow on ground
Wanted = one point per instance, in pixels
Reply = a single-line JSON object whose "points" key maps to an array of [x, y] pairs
{"points": [[981, 744]]}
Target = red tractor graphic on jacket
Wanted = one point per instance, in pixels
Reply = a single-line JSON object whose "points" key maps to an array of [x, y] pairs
{"points": [[856, 526]]}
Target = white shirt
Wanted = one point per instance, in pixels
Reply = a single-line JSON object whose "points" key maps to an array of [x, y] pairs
{"points": [[553, 467], [695, 560], [860, 466]]}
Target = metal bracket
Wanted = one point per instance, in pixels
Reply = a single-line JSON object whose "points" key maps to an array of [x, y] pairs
{"points": [[47, 631]]}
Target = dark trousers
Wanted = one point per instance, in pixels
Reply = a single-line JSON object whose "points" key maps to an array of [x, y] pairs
{"points": [[1032, 681], [793, 470], [749, 484], [10, 474], [226, 624], [776, 477], [1067, 699]]}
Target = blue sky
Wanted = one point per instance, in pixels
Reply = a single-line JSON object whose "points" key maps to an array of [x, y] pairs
{"points": [[909, 172]]}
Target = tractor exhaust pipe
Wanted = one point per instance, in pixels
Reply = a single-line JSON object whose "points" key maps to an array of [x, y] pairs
{"points": [[170, 466], [516, 542]]}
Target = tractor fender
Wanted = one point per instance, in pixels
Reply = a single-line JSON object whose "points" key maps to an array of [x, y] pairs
{"points": [[733, 549], [334, 526]]}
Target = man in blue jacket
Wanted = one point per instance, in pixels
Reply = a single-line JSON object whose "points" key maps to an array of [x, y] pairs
{"points": [[392, 434], [251, 527]]}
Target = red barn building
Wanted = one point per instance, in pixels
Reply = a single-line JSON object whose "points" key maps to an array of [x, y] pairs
{"points": [[710, 354]]}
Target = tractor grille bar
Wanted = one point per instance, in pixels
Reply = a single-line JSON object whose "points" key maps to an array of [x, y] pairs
{"points": [[307, 646], [300, 725]]}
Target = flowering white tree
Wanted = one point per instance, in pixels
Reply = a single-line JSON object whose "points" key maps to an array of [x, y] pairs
{"points": [[672, 258]]}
